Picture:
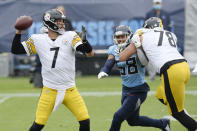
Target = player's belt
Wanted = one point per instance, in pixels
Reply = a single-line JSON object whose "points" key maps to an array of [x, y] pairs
{"points": [[170, 63]]}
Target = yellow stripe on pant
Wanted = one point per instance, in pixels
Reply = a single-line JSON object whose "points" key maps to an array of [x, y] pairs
{"points": [[72, 100], [172, 89]]}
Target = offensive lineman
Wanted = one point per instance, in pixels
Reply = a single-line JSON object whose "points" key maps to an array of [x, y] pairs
{"points": [[134, 86], [56, 51], [160, 48]]}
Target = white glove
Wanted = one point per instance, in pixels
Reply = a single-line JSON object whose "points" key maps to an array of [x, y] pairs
{"points": [[102, 74], [136, 40]]}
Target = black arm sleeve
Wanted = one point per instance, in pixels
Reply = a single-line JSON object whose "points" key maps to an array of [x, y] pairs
{"points": [[85, 47], [17, 47]]}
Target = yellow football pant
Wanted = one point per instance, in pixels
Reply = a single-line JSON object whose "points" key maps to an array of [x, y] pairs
{"points": [[72, 100], [172, 88]]}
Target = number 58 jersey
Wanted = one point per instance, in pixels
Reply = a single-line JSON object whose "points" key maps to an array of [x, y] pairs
{"points": [[131, 71], [57, 58]]}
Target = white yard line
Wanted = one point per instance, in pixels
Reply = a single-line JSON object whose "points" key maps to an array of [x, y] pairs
{"points": [[98, 94], [4, 99], [173, 119]]}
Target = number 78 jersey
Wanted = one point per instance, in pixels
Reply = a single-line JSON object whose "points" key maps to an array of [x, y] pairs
{"points": [[57, 58], [160, 47]]}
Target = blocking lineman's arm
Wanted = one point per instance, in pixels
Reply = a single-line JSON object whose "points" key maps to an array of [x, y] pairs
{"points": [[127, 52], [106, 69], [17, 47], [136, 42]]}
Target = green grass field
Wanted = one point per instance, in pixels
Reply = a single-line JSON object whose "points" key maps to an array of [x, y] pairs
{"points": [[18, 112]]}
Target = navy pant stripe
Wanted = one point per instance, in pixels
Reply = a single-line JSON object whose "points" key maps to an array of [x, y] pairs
{"points": [[168, 93]]}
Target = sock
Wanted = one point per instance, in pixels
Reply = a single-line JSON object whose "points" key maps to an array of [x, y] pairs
{"points": [[36, 127], [84, 125]]}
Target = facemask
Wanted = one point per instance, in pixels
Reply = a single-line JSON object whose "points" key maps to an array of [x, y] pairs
{"points": [[157, 7]]}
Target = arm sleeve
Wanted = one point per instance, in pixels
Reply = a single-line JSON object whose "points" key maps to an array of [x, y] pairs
{"points": [[108, 66], [17, 47], [85, 47]]}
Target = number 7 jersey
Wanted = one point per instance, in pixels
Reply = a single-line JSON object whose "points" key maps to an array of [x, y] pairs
{"points": [[57, 58]]}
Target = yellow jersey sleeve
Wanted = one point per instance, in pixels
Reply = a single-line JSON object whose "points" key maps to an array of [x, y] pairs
{"points": [[76, 41], [29, 46]]}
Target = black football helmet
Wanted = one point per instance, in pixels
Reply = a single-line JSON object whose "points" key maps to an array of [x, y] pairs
{"points": [[50, 18], [122, 30], [153, 22]]}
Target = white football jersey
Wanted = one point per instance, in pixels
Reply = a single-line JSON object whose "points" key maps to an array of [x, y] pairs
{"points": [[160, 47], [57, 58]]}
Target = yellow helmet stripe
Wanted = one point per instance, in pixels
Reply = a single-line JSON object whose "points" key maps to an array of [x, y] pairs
{"points": [[160, 23]]}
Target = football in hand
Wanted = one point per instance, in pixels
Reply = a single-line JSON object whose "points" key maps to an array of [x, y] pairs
{"points": [[23, 22]]}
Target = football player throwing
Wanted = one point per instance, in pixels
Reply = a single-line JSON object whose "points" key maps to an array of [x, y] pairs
{"points": [[56, 50]]}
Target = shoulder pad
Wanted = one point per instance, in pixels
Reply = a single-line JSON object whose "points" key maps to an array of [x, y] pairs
{"points": [[141, 31]]}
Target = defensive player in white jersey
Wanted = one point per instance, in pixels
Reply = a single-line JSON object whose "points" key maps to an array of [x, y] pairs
{"points": [[160, 48], [56, 51]]}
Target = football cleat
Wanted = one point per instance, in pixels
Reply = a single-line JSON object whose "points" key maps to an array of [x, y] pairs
{"points": [[167, 125]]}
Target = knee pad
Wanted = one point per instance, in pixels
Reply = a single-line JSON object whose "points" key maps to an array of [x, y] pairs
{"points": [[84, 125], [36, 127]]}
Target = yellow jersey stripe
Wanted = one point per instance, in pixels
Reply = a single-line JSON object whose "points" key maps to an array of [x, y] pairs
{"points": [[140, 32], [28, 47], [31, 40], [76, 39], [32, 47]]}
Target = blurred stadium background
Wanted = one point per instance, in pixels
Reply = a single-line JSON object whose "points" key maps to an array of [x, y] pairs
{"points": [[99, 17]]}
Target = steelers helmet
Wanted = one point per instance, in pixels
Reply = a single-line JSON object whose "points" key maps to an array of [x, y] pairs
{"points": [[122, 30], [153, 22], [50, 17]]}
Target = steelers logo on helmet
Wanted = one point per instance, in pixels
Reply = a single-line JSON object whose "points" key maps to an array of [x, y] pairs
{"points": [[47, 17], [122, 35], [49, 20], [153, 22]]}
